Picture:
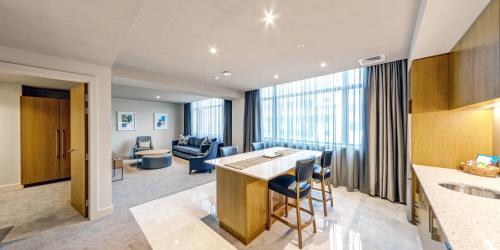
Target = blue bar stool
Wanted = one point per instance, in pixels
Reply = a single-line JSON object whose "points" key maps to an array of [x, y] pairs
{"points": [[322, 173], [296, 187]]}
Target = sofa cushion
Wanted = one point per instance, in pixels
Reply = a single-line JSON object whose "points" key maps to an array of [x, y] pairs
{"points": [[191, 141], [183, 140], [144, 144], [197, 141], [187, 149], [206, 141]]}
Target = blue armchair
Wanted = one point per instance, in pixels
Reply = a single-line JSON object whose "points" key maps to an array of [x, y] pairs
{"points": [[198, 162], [142, 143]]}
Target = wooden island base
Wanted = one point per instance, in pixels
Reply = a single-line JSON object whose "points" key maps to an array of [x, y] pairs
{"points": [[242, 204]]}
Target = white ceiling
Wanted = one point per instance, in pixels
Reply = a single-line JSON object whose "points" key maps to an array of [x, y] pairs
{"points": [[173, 37], [34, 81], [91, 30], [146, 94], [163, 44], [441, 23]]}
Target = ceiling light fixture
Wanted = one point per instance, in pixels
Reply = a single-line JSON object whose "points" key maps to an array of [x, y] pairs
{"points": [[216, 77], [300, 46], [323, 64], [276, 76], [213, 50], [226, 73], [269, 17], [157, 97]]}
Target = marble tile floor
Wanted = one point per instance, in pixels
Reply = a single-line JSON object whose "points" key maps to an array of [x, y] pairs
{"points": [[187, 220]]}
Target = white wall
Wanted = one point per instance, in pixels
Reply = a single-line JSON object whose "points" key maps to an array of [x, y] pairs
{"points": [[10, 134], [496, 131], [238, 111], [18, 61], [123, 141]]}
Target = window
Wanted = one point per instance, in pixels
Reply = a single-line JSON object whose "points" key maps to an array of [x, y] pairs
{"points": [[319, 112], [207, 118]]}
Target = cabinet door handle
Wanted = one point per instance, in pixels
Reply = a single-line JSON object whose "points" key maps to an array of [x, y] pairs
{"points": [[57, 143], [64, 143]]}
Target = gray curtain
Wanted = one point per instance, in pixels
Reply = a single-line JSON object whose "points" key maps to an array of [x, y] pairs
{"points": [[251, 119], [387, 135], [228, 122], [187, 119]]}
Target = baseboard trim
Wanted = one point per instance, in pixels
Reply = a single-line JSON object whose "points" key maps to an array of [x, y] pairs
{"points": [[11, 187], [102, 212]]}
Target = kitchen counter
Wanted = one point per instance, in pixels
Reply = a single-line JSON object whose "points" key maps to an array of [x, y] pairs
{"points": [[467, 221]]}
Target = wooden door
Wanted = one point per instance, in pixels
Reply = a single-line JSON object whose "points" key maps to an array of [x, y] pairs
{"points": [[78, 141], [64, 141], [39, 139]]}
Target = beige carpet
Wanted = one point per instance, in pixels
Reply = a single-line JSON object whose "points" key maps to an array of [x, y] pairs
{"points": [[116, 231]]}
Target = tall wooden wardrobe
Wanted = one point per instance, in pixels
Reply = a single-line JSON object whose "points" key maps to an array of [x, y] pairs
{"points": [[45, 124]]}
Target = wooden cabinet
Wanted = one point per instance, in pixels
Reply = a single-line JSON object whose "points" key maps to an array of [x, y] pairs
{"points": [[44, 129], [429, 77], [439, 136], [474, 64]]}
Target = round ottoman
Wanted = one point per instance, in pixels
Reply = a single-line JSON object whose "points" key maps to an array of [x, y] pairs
{"points": [[156, 161]]}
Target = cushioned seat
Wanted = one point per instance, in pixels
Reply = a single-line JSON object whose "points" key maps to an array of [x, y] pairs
{"points": [[288, 185], [317, 172], [192, 147], [258, 146], [187, 149], [285, 185], [228, 151]]}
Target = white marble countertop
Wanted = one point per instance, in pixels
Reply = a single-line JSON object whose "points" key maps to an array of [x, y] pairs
{"points": [[468, 222], [266, 170]]}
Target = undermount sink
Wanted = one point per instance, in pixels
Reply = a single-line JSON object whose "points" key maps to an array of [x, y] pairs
{"points": [[472, 190]]}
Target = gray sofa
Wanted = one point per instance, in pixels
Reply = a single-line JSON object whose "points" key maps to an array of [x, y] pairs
{"points": [[192, 149]]}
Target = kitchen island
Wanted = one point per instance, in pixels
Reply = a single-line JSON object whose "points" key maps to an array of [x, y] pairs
{"points": [[242, 192]]}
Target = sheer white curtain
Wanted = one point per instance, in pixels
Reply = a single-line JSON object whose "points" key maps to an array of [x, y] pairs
{"points": [[207, 118], [325, 112]]}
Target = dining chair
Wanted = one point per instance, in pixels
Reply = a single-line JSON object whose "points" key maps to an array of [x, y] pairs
{"points": [[228, 151], [296, 187], [258, 146], [322, 173]]}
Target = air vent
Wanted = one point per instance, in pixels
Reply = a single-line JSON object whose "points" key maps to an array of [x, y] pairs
{"points": [[372, 60]]}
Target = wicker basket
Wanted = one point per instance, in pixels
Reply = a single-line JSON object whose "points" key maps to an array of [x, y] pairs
{"points": [[487, 171]]}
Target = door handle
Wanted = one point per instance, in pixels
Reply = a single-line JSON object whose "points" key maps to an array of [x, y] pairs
{"points": [[71, 150], [57, 143], [64, 143]]}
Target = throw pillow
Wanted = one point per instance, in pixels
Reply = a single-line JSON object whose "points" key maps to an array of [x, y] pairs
{"points": [[205, 141], [183, 140], [144, 144]]}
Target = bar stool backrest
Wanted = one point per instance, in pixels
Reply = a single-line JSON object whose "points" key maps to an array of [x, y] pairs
{"points": [[326, 158], [304, 169]]}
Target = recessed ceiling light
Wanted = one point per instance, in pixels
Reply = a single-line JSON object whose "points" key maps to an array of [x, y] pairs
{"points": [[269, 17], [213, 50], [226, 73], [300, 46], [157, 97], [276, 76], [323, 64], [216, 77]]}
